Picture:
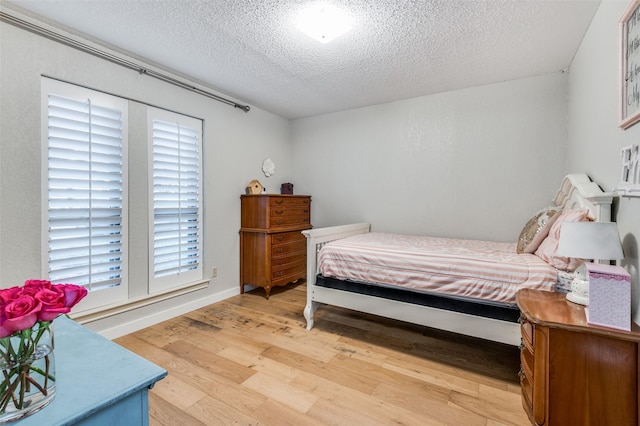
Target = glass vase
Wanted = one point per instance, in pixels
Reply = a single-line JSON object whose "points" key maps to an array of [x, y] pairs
{"points": [[27, 364]]}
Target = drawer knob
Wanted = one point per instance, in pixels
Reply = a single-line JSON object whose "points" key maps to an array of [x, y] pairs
{"points": [[280, 238], [279, 201], [279, 211], [279, 222], [278, 274], [280, 250]]}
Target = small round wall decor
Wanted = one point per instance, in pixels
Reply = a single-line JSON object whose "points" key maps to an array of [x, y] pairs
{"points": [[268, 167]]}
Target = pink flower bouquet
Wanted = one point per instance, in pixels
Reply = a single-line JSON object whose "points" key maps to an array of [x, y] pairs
{"points": [[26, 343]]}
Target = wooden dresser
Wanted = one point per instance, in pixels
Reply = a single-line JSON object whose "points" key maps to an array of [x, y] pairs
{"points": [[273, 250], [574, 373]]}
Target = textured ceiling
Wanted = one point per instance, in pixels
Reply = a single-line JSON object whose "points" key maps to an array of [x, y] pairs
{"points": [[397, 49]]}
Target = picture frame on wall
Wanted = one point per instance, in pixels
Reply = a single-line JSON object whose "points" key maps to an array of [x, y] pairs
{"points": [[629, 27]]}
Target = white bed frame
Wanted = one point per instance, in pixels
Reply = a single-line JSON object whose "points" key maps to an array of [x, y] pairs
{"points": [[576, 191]]}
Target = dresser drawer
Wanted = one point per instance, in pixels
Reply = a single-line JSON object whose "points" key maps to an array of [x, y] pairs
{"points": [[290, 219], [288, 273], [527, 395], [526, 362], [289, 202], [526, 329], [289, 211], [298, 247], [287, 237], [281, 262]]}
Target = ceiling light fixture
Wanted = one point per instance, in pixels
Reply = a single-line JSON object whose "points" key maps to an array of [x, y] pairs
{"points": [[323, 22]]}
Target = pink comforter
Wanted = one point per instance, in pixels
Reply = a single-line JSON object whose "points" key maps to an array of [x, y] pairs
{"points": [[467, 268]]}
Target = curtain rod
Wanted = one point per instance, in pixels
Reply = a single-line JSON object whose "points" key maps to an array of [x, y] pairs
{"points": [[114, 59]]}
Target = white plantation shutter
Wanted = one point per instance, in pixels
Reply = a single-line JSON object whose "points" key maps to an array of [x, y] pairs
{"points": [[86, 193], [176, 200]]}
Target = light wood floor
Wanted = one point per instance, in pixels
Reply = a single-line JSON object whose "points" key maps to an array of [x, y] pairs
{"points": [[250, 361]]}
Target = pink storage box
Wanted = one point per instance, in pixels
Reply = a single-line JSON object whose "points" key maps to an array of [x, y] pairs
{"points": [[609, 296]]}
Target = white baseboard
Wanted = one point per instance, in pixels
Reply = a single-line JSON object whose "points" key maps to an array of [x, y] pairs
{"points": [[107, 329]]}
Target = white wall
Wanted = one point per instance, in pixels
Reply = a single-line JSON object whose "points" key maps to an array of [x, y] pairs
{"points": [[595, 139], [235, 145], [472, 163]]}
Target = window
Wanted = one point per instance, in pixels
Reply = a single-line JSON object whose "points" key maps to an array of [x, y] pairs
{"points": [[175, 200], [86, 190]]}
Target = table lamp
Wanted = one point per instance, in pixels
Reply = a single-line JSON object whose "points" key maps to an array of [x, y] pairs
{"points": [[589, 241]]}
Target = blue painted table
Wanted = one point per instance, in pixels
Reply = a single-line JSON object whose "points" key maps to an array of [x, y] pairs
{"points": [[97, 381]]}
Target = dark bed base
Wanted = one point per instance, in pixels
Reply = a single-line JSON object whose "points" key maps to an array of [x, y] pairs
{"points": [[509, 313]]}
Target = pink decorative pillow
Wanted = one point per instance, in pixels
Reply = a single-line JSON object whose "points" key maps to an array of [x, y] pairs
{"points": [[537, 228], [549, 246]]}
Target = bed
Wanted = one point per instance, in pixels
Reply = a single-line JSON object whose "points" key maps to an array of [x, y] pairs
{"points": [[348, 266]]}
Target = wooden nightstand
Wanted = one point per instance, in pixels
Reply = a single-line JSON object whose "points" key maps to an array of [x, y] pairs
{"points": [[574, 373], [273, 250]]}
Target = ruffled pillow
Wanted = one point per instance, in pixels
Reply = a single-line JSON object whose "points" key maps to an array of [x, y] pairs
{"points": [[549, 246], [537, 229]]}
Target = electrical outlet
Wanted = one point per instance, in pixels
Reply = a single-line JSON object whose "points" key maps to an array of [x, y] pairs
{"points": [[214, 272]]}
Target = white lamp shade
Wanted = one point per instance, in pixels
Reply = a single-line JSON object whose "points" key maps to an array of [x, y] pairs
{"points": [[590, 240]]}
